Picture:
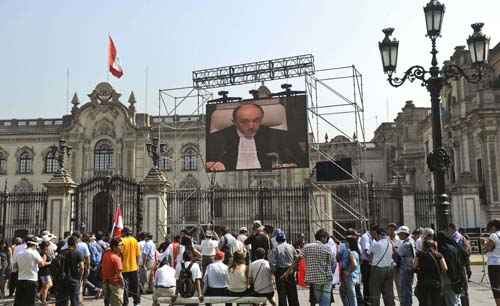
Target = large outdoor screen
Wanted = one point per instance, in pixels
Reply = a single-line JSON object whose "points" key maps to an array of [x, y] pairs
{"points": [[265, 134]]}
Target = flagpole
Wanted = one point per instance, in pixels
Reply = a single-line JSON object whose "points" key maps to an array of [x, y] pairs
{"points": [[67, 90], [107, 61], [146, 79]]}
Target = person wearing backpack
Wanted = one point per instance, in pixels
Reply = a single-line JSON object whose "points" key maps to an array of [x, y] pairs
{"points": [[96, 252], [72, 271], [258, 239], [188, 275], [454, 278], [429, 265]]}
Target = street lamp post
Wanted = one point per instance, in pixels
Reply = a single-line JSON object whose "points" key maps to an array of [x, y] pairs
{"points": [[59, 151], [434, 79], [155, 149]]}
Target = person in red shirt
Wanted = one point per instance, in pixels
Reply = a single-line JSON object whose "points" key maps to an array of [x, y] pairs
{"points": [[111, 275]]}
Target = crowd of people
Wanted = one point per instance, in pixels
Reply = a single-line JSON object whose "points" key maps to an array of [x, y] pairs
{"points": [[365, 267]]}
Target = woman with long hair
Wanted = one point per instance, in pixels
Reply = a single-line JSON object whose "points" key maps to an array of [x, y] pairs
{"points": [[429, 265], [237, 281], [350, 271]]}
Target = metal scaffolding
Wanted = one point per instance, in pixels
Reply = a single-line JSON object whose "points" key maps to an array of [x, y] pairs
{"points": [[330, 108], [275, 69]]}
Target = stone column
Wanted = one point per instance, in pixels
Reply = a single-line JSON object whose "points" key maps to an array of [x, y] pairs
{"points": [[155, 204], [409, 207], [466, 210], [60, 189], [321, 212]]}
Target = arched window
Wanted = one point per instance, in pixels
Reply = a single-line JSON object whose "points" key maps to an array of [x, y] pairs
{"points": [[165, 163], [3, 163], [25, 163], [190, 160], [51, 165], [103, 157]]}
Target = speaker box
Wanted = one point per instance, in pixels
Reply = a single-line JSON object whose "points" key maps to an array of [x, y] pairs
{"points": [[329, 171]]}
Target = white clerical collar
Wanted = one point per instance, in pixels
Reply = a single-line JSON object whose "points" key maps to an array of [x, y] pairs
{"points": [[243, 136], [247, 153]]}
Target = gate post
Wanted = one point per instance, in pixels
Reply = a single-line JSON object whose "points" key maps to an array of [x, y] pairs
{"points": [[155, 204], [322, 211], [60, 189], [409, 214]]}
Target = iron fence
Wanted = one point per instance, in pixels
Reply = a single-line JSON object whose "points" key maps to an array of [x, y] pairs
{"points": [[425, 209], [96, 199], [285, 208], [355, 197], [385, 204], [23, 213]]}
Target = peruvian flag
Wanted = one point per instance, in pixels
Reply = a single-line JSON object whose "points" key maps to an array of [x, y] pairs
{"points": [[114, 66], [116, 232]]}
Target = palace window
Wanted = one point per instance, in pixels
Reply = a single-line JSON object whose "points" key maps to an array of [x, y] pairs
{"points": [[103, 157], [190, 160], [3, 163], [165, 163], [25, 163], [51, 165]]}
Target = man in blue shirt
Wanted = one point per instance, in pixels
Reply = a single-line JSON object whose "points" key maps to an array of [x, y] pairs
{"points": [[96, 252], [406, 254], [148, 259], [283, 264]]}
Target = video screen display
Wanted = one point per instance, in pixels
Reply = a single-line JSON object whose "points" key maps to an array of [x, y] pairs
{"points": [[265, 134], [338, 171]]}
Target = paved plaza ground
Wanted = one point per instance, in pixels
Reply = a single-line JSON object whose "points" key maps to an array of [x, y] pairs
{"points": [[479, 291]]}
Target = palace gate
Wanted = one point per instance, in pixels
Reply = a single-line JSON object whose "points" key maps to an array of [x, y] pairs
{"points": [[96, 199]]}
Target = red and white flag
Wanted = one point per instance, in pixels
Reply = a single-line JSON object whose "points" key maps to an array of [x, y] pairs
{"points": [[113, 62], [116, 232]]}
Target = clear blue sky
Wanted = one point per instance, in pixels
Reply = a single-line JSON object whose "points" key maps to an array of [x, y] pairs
{"points": [[41, 39]]}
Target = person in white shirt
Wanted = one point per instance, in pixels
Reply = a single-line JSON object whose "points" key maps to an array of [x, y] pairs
{"points": [[209, 246], [493, 248], [196, 274], [216, 277], [174, 252], [27, 263], [381, 270], [148, 260], [261, 277], [394, 239], [365, 244], [18, 245], [243, 234], [227, 244], [164, 283], [426, 234]]}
